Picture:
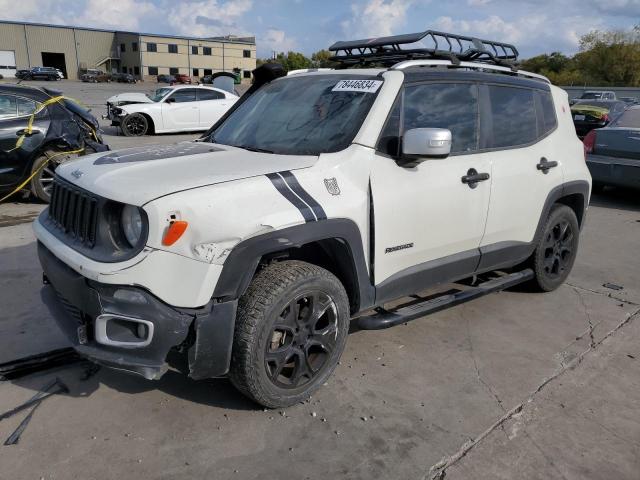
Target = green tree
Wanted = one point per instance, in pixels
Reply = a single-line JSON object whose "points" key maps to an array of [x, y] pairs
{"points": [[321, 59]]}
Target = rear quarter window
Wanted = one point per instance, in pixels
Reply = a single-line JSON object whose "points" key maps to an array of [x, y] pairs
{"points": [[545, 112], [513, 116]]}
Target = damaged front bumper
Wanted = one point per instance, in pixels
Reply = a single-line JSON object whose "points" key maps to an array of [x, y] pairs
{"points": [[114, 113], [127, 328]]}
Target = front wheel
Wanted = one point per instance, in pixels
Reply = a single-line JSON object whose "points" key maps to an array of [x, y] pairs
{"points": [[291, 329], [556, 249], [135, 125]]}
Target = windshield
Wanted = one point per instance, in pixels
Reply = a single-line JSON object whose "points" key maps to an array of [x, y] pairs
{"points": [[159, 94], [306, 115]]}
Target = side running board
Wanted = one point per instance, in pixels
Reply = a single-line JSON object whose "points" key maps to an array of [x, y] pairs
{"points": [[386, 319]]}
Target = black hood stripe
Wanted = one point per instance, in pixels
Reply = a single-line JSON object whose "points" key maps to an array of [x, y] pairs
{"points": [[293, 183], [295, 200]]}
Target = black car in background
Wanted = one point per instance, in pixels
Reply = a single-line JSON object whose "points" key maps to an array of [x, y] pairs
{"points": [[166, 78], [62, 126], [43, 73], [124, 78], [591, 114], [613, 152]]}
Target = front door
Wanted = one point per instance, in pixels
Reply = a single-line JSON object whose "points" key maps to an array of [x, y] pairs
{"points": [[428, 223], [14, 117], [180, 110]]}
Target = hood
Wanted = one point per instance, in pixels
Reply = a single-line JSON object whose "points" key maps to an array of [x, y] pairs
{"points": [[131, 97], [138, 175]]}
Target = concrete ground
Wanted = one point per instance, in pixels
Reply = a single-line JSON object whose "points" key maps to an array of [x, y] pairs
{"points": [[513, 385]]}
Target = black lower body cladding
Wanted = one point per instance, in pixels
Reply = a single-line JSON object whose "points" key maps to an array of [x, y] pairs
{"points": [[206, 332]]}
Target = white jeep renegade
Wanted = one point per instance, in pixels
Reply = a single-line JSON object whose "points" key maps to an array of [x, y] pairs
{"points": [[318, 197]]}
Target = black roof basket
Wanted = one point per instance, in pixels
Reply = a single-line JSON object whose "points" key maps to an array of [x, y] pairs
{"points": [[443, 46]]}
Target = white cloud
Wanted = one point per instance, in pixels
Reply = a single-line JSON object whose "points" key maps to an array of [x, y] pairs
{"points": [[208, 18], [33, 11], [378, 18], [120, 15], [533, 32], [276, 40]]}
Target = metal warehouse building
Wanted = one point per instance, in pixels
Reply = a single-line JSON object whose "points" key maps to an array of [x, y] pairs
{"points": [[76, 49]]}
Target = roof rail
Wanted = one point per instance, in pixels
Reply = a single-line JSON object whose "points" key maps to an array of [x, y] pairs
{"points": [[446, 46], [472, 65]]}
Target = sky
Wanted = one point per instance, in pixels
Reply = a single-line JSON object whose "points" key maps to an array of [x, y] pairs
{"points": [[534, 26]]}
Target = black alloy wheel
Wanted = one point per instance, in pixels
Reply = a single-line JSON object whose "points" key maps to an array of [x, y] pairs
{"points": [[135, 125], [302, 339], [558, 249]]}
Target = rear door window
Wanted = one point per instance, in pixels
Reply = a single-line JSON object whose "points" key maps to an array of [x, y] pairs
{"points": [[184, 95], [206, 94], [25, 106], [8, 108], [545, 112], [453, 106], [514, 116]]}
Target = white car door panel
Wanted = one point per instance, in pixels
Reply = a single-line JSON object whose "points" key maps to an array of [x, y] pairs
{"points": [[180, 110], [426, 213], [520, 183], [213, 104]]}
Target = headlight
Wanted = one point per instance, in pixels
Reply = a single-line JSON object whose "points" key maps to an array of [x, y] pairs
{"points": [[117, 111], [131, 221]]}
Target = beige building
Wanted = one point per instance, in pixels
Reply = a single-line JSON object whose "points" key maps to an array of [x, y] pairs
{"points": [[75, 49]]}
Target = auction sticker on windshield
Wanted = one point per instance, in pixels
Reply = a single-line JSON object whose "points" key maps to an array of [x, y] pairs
{"points": [[366, 86]]}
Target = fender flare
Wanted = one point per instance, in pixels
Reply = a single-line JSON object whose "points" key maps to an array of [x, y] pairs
{"points": [[244, 259]]}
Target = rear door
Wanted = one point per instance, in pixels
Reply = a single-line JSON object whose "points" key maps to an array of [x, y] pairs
{"points": [[213, 104], [519, 125], [180, 110]]}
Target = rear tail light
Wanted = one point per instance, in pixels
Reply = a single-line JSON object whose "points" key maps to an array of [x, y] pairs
{"points": [[605, 118], [589, 143]]}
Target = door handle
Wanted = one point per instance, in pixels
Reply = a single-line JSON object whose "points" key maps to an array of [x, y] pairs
{"points": [[545, 165], [26, 133], [473, 177]]}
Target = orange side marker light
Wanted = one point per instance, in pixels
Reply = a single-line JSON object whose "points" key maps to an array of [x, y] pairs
{"points": [[174, 232]]}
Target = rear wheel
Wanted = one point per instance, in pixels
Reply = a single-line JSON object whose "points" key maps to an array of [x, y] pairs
{"points": [[557, 248], [291, 329], [135, 125]]}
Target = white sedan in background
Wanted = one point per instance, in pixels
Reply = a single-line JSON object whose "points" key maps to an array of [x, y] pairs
{"points": [[179, 108]]}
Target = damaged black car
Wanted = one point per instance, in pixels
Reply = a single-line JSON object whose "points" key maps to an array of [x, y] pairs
{"points": [[39, 130]]}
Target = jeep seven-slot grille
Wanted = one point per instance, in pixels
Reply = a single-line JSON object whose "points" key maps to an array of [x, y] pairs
{"points": [[74, 212]]}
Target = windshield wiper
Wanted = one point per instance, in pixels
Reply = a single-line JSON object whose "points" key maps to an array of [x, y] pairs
{"points": [[253, 149]]}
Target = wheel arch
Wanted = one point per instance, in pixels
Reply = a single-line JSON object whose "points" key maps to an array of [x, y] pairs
{"points": [[334, 244]]}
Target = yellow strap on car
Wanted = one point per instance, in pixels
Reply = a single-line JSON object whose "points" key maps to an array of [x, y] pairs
{"points": [[29, 131], [22, 185]]}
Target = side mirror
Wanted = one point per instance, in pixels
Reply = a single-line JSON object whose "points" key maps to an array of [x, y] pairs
{"points": [[426, 142], [170, 100]]}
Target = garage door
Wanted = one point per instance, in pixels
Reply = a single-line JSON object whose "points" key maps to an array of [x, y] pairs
{"points": [[7, 63]]}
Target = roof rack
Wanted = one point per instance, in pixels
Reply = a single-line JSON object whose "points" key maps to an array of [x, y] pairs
{"points": [[444, 46]]}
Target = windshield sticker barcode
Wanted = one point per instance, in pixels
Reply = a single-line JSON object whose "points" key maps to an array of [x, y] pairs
{"points": [[366, 86]]}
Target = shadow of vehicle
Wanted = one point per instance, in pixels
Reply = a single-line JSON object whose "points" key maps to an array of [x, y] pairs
{"points": [[619, 198]]}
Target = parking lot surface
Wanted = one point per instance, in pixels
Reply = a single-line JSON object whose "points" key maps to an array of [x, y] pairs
{"points": [[513, 385]]}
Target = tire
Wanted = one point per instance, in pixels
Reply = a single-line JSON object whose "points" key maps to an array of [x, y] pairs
{"points": [[284, 349], [42, 182], [135, 125], [556, 250]]}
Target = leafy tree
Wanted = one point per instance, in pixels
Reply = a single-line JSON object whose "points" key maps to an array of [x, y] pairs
{"points": [[320, 59]]}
